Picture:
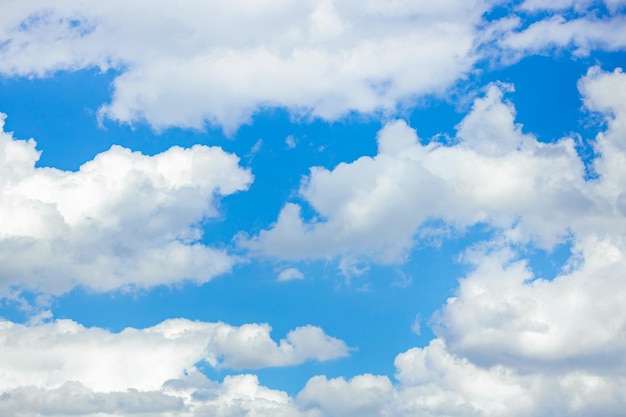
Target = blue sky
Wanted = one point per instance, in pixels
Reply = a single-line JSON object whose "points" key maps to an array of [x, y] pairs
{"points": [[314, 208]]}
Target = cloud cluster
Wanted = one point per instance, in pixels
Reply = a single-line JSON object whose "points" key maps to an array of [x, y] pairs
{"points": [[192, 395], [375, 206], [123, 219], [152, 371], [509, 343], [221, 61], [144, 359], [433, 382], [494, 174]]}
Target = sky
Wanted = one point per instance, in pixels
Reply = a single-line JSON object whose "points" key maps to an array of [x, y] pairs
{"points": [[327, 208]]}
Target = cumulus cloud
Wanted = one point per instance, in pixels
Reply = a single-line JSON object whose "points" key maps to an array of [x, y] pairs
{"points": [[583, 35], [191, 395], [144, 359], [577, 318], [375, 206], [580, 26], [508, 343], [511, 343], [221, 61], [123, 219], [504, 314], [433, 382], [364, 395]]}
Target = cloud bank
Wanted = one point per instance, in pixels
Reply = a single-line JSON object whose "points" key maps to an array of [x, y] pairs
{"points": [[144, 359], [222, 61]]}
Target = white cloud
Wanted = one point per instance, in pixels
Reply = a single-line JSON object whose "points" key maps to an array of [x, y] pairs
{"points": [[250, 347], [513, 344], [123, 219], [62, 368], [505, 314], [221, 61], [290, 142], [416, 327], [435, 383], [431, 382], [374, 207], [584, 35], [579, 5], [364, 395], [290, 274], [144, 359], [192, 395]]}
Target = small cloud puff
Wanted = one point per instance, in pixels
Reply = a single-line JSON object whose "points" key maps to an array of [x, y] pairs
{"points": [[290, 274]]}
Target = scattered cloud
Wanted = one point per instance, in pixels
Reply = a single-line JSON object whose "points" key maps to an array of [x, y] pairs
{"points": [[509, 342], [122, 220], [290, 141], [416, 327], [290, 274]]}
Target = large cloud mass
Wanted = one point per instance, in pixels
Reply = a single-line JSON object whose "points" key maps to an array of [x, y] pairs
{"points": [[191, 62], [62, 368], [123, 219], [144, 359], [221, 61]]}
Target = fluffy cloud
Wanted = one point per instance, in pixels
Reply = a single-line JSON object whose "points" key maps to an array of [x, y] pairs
{"points": [[504, 314], [364, 395], [433, 382], [123, 219], [192, 395], [184, 64], [223, 61], [577, 25], [149, 372], [514, 344], [144, 359], [577, 318], [375, 206], [583, 35]]}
